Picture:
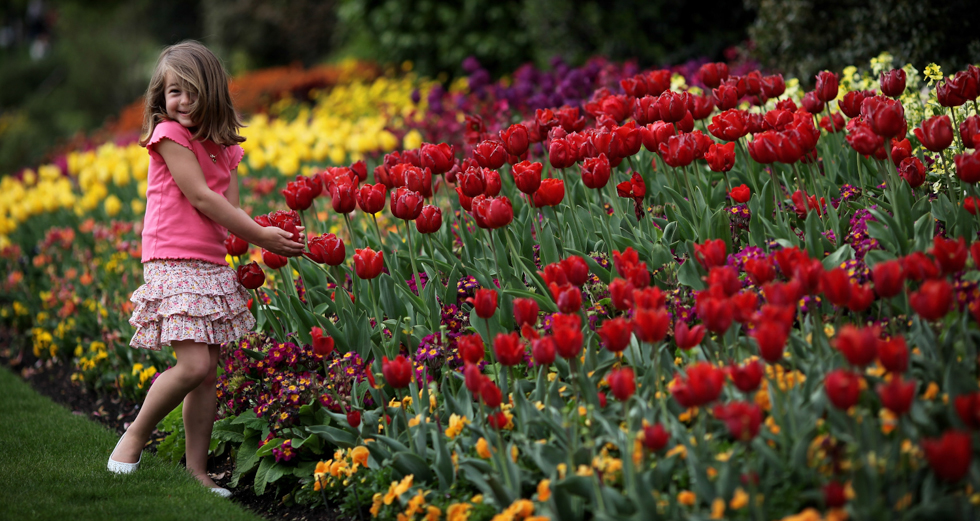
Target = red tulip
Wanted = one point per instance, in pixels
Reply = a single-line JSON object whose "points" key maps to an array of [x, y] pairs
{"points": [[863, 140], [712, 74], [912, 171], [950, 254], [936, 133], [835, 123], [490, 394], [672, 106], [322, 344], [742, 419], [725, 96], [843, 388], [397, 372], [950, 455], [251, 275], [970, 131], [650, 324], [621, 294], [956, 91], [472, 181], [508, 349], [595, 172], [342, 197], [968, 408], [812, 103], [763, 148], [861, 298], [730, 125], [655, 437], [515, 139], [485, 302], [371, 198], [525, 311], [851, 104], [721, 158], [368, 263], [761, 270], [560, 154], [354, 419], [649, 298], [567, 332], [615, 334], [889, 278], [543, 350], [437, 158], [892, 83], [933, 300], [725, 278], [834, 495], [713, 252], [826, 88], [897, 395], [497, 420], [430, 220], [702, 385], [687, 337], [748, 377], [700, 107], [327, 249], [527, 176], [470, 348], [406, 204], [576, 270], [656, 133], [886, 116], [739, 194], [550, 193], [919, 267], [836, 286], [901, 149], [716, 314], [859, 346], [753, 83], [236, 246], [495, 212], [299, 194], [894, 354], [679, 150], [773, 86], [621, 383], [272, 260], [646, 110], [968, 167], [771, 337]]}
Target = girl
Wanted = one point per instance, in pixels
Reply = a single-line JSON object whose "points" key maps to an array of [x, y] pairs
{"points": [[191, 301]]}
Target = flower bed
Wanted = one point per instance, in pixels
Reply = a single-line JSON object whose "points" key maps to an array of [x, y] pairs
{"points": [[639, 300]]}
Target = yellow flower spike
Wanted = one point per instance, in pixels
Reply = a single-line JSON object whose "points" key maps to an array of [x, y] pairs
{"points": [[686, 497], [739, 499]]}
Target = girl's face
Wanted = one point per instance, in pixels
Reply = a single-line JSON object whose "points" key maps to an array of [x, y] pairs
{"points": [[178, 100]]}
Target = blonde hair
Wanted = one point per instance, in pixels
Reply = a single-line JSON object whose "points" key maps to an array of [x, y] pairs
{"points": [[197, 69]]}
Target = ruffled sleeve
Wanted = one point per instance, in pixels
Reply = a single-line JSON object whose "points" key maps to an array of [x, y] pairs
{"points": [[235, 154], [170, 130]]}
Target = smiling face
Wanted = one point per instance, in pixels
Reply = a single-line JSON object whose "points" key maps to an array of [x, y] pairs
{"points": [[179, 100]]}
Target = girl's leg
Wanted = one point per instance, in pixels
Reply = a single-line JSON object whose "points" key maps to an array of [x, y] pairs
{"points": [[199, 409], [193, 360]]}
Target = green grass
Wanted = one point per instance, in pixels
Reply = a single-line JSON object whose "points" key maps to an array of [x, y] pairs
{"points": [[53, 466]]}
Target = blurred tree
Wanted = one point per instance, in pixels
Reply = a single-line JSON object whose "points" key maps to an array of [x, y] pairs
{"points": [[803, 37], [261, 33], [436, 35]]}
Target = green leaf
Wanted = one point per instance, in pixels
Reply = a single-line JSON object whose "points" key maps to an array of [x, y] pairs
{"points": [[840, 255], [689, 275], [406, 463], [334, 435], [814, 231]]}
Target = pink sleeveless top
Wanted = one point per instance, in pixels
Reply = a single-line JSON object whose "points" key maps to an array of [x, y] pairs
{"points": [[172, 227]]}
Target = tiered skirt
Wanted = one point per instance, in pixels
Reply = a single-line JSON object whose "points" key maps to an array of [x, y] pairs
{"points": [[189, 299]]}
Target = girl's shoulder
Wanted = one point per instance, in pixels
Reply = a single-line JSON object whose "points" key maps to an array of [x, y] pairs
{"points": [[173, 131]]}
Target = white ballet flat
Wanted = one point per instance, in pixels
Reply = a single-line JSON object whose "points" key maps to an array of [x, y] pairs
{"points": [[119, 467], [223, 492]]}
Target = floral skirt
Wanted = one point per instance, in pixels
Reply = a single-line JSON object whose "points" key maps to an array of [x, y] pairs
{"points": [[189, 299]]}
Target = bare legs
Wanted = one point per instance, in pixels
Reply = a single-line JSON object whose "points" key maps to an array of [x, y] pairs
{"points": [[190, 381]]}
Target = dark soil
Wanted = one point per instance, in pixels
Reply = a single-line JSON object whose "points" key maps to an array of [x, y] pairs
{"points": [[53, 379]]}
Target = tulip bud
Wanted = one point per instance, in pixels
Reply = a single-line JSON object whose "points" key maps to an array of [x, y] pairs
{"points": [[485, 302], [429, 220], [368, 263], [251, 275], [397, 372], [622, 383], [235, 246], [892, 83]]}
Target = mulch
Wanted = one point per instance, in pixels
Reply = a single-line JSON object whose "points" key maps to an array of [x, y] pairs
{"points": [[52, 378]]}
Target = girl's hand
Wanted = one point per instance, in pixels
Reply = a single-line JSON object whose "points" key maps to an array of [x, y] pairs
{"points": [[280, 241]]}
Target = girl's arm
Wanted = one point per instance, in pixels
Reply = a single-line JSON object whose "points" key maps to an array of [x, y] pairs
{"points": [[189, 177]]}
